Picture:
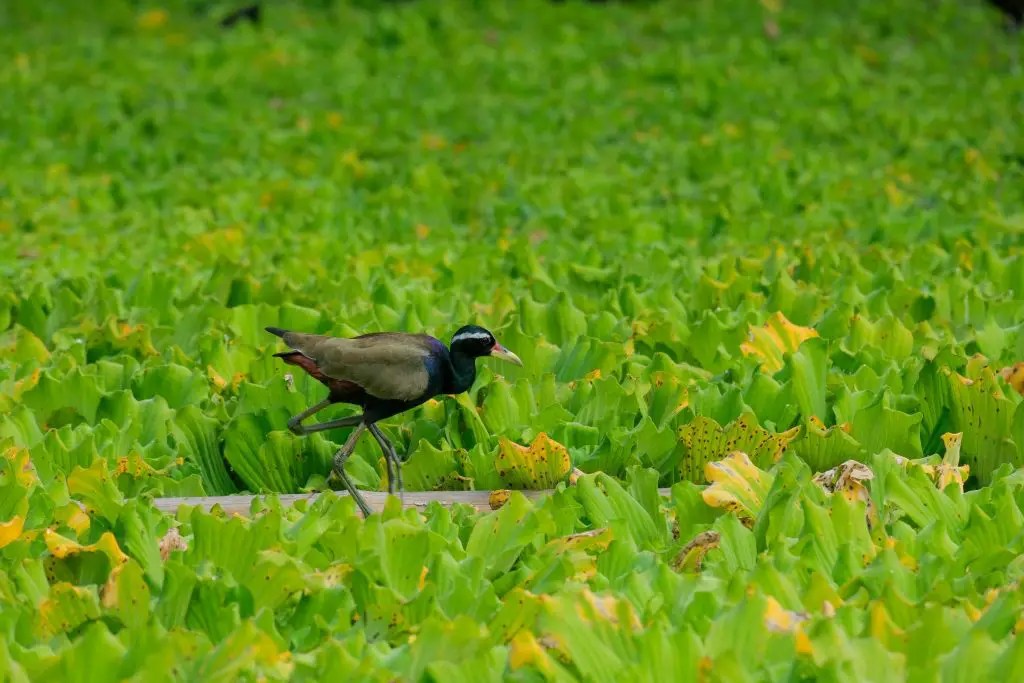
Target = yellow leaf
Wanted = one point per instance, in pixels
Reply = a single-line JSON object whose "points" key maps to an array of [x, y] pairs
{"points": [[423, 578], [133, 465], [540, 465], [882, 627], [847, 479], [434, 142], [333, 577], [1014, 376], [895, 194], [803, 643], [706, 440], [66, 608], [776, 337], [595, 539], [11, 530], [215, 378], [736, 484], [154, 18], [498, 497], [607, 607], [691, 557], [525, 650], [975, 160], [61, 547], [777, 618], [73, 517], [21, 465]]}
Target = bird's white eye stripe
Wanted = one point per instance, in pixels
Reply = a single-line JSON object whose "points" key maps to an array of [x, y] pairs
{"points": [[471, 335]]}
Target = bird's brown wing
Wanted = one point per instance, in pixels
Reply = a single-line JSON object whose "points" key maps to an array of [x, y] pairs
{"points": [[385, 365]]}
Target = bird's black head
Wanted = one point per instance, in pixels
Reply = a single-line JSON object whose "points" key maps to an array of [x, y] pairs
{"points": [[475, 341]]}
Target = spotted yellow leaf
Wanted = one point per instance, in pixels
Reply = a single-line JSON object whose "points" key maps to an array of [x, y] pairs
{"points": [[21, 464], [705, 441], [691, 557], [540, 465], [67, 607], [61, 547], [72, 516], [1014, 376], [497, 498]]}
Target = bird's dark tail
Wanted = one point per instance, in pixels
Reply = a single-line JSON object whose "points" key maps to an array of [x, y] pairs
{"points": [[276, 331]]}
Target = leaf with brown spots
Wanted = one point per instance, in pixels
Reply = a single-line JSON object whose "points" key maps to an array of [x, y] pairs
{"points": [[984, 414], [705, 441], [66, 608], [691, 556], [1014, 376], [540, 465]]}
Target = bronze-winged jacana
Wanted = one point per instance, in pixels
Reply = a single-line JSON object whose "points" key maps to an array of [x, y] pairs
{"points": [[384, 373]]}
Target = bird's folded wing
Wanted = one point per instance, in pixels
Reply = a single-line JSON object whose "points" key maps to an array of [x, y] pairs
{"points": [[386, 366]]}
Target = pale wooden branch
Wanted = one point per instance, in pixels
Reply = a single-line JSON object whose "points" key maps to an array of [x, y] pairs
{"points": [[239, 505]]}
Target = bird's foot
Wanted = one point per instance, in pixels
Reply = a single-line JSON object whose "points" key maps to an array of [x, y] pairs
{"points": [[338, 468], [339, 471]]}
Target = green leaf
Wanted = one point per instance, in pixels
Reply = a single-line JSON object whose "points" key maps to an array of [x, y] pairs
{"points": [[808, 366], [95, 656], [499, 537], [878, 426], [198, 437], [824, 448]]}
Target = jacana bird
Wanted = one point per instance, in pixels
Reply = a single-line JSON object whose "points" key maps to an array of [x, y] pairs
{"points": [[384, 373]]}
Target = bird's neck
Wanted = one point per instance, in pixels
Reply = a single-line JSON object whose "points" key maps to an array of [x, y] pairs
{"points": [[463, 373]]}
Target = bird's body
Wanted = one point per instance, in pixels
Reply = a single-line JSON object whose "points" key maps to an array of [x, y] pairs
{"points": [[384, 373]]}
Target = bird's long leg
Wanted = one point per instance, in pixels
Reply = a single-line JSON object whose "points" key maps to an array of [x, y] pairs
{"points": [[339, 467], [390, 456], [334, 424], [295, 423], [302, 430], [393, 474]]}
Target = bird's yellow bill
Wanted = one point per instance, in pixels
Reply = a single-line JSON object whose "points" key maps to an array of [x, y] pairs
{"points": [[499, 351]]}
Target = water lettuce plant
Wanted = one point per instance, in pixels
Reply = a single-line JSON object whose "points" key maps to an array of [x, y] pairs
{"points": [[767, 257]]}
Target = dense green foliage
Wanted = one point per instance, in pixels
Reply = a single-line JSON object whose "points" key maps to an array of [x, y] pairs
{"points": [[706, 227]]}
